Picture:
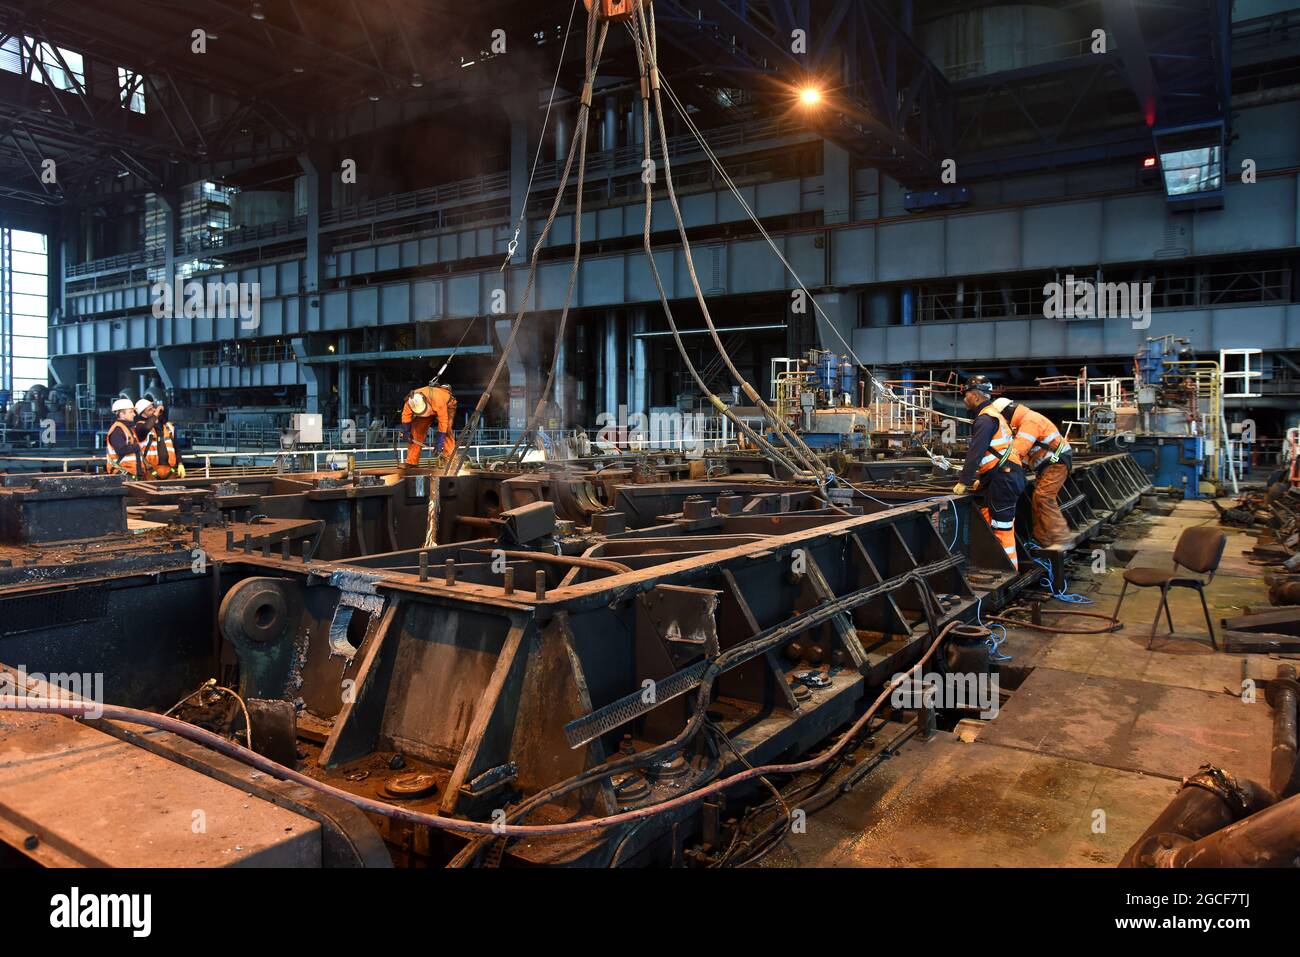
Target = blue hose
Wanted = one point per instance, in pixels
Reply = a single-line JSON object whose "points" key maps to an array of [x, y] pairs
{"points": [[994, 640], [1046, 582]]}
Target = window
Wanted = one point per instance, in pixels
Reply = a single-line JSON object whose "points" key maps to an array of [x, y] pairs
{"points": [[24, 312], [1192, 171], [11, 55], [132, 86], [66, 70]]}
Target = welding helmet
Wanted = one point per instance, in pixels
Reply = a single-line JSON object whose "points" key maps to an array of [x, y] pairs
{"points": [[980, 384], [122, 405], [419, 405]]}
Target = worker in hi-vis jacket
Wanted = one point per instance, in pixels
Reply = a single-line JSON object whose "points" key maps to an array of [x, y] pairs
{"points": [[992, 465]]}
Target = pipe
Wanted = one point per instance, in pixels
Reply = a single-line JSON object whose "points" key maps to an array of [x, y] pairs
{"points": [[1270, 838], [1209, 800], [1282, 694], [1112, 624]]}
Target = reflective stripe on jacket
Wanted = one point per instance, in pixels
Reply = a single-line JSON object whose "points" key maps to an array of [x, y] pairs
{"points": [[1001, 444], [129, 462]]}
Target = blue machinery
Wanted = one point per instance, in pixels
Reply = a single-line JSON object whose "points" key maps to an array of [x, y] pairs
{"points": [[818, 394], [1166, 440]]}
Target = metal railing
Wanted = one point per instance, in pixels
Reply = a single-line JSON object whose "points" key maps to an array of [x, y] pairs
{"points": [[474, 188], [222, 438], [123, 261], [242, 235]]}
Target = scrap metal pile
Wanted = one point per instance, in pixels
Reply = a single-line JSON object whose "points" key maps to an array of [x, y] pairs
{"points": [[585, 670], [1274, 514]]}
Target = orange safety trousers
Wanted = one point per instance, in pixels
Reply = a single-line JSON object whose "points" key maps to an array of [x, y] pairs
{"points": [[1050, 526], [419, 431], [1006, 537]]}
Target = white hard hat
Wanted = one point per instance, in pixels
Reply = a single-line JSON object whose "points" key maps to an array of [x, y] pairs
{"points": [[122, 405], [417, 403], [142, 405]]}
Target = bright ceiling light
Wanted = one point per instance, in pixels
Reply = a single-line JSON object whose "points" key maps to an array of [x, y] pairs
{"points": [[810, 96]]}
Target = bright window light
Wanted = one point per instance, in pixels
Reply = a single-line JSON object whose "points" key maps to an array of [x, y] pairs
{"points": [[53, 64], [11, 55], [1192, 171], [131, 85], [23, 357]]}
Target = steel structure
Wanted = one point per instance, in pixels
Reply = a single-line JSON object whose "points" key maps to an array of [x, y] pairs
{"points": [[497, 669]]}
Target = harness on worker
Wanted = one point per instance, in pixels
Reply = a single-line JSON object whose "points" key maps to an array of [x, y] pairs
{"points": [[1003, 422], [1007, 409]]}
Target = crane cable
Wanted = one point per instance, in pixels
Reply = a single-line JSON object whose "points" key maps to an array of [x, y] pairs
{"points": [[508, 347], [781, 428], [541, 141], [593, 67], [723, 409], [714, 400], [882, 388]]}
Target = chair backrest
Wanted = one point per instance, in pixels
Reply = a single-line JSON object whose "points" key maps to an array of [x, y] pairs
{"points": [[1200, 549]]}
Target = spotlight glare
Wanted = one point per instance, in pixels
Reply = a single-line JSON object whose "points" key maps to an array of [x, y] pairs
{"points": [[810, 96]]}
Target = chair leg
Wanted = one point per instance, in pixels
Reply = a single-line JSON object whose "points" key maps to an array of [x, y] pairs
{"points": [[1115, 617], [1168, 617], [1164, 597], [1208, 623]]}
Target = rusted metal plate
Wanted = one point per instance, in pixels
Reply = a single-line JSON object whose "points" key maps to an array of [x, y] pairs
{"points": [[1134, 725], [72, 796]]}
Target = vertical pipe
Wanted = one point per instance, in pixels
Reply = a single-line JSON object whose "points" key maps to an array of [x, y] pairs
{"points": [[610, 130], [613, 362], [561, 393], [561, 137], [638, 391], [344, 382], [907, 316]]}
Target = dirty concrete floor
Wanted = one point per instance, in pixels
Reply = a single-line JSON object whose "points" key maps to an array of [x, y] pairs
{"points": [[1089, 747]]}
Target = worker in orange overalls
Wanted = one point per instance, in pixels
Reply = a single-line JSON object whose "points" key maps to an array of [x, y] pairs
{"points": [[430, 407], [1045, 451], [157, 437], [992, 465], [122, 450]]}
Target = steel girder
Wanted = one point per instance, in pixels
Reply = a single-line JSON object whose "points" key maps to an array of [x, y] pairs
{"points": [[1178, 57]]}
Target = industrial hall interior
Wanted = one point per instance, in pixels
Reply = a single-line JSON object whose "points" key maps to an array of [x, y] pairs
{"points": [[650, 434]]}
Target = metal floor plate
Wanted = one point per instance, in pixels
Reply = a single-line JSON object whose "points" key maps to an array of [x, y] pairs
{"points": [[1134, 725]]}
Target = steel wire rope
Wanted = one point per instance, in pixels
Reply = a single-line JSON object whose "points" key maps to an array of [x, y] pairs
{"points": [[781, 427], [727, 180], [714, 400], [593, 67], [555, 83], [476, 415]]}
